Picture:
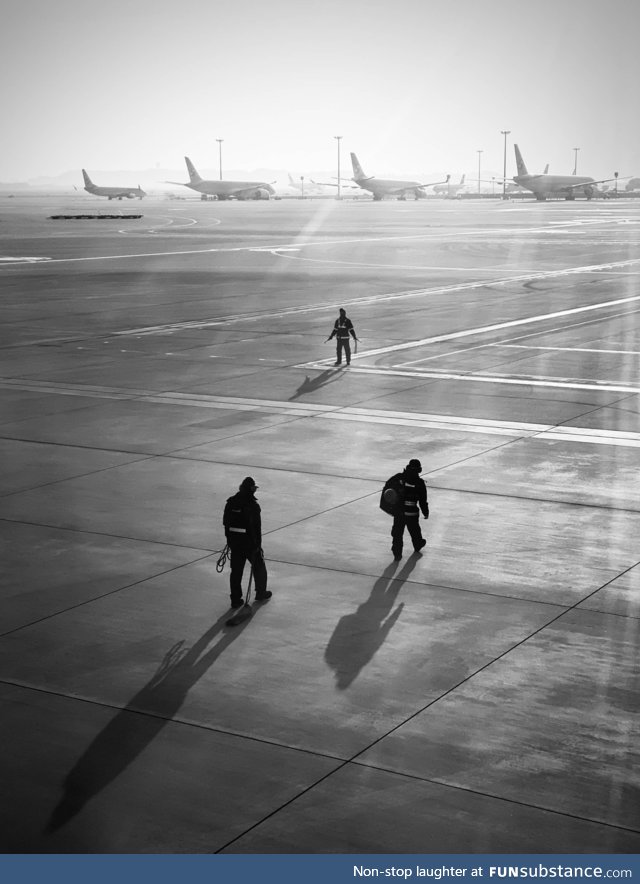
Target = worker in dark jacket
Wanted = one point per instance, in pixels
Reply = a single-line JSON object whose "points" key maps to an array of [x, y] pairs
{"points": [[243, 530], [342, 329], [414, 500]]}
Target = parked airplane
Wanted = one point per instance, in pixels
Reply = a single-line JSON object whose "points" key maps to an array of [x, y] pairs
{"points": [[545, 185], [450, 190], [305, 186], [381, 187], [225, 190], [114, 193], [510, 187]]}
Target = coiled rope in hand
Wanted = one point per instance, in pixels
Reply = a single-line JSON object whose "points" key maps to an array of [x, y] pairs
{"points": [[222, 561]]}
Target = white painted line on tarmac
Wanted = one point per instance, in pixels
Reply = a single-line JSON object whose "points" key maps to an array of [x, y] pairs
{"points": [[519, 232], [284, 253], [487, 379], [567, 349], [500, 325], [8, 259], [388, 296], [567, 436], [414, 420]]}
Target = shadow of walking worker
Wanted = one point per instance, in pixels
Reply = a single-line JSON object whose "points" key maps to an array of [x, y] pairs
{"points": [[358, 636], [140, 721]]}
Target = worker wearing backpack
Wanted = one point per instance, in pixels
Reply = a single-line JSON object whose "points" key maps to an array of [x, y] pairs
{"points": [[404, 496]]}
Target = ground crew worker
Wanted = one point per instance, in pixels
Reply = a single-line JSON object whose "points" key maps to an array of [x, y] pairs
{"points": [[342, 328], [408, 515], [243, 530]]}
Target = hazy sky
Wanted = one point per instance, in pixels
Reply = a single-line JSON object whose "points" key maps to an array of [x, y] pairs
{"points": [[411, 85]]}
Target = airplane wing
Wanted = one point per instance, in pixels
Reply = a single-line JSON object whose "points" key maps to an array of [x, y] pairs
{"points": [[591, 183], [334, 184], [433, 183]]}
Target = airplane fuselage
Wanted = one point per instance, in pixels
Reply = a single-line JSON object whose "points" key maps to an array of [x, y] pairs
{"points": [[116, 193], [381, 187], [225, 190], [559, 185]]}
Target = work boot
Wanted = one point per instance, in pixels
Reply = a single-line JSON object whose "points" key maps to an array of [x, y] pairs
{"points": [[263, 596], [237, 603], [421, 545]]}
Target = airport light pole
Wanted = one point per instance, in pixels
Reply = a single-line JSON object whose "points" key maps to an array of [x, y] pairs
{"points": [[338, 138], [302, 186], [220, 140], [575, 162], [504, 132], [479, 152]]}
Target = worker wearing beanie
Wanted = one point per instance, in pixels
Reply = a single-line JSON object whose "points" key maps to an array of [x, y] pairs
{"points": [[408, 515]]}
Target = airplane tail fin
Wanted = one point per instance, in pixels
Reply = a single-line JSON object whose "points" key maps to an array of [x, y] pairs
{"points": [[291, 181], [87, 181], [522, 169], [462, 180], [546, 169], [357, 168], [194, 178]]}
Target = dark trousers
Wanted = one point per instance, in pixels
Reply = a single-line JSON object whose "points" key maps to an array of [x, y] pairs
{"points": [[242, 552], [412, 524], [343, 342]]}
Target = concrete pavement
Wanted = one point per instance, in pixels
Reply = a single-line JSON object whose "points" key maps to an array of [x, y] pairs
{"points": [[480, 697]]}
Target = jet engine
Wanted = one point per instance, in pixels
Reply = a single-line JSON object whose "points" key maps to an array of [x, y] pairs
{"points": [[258, 193]]}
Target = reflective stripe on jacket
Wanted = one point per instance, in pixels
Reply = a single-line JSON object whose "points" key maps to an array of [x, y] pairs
{"points": [[415, 495], [342, 328], [242, 517]]}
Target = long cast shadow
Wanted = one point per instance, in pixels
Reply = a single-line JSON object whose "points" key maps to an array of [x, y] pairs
{"points": [[310, 384], [128, 734], [358, 636]]}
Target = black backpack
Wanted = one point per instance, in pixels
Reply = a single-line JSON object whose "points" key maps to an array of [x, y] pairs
{"points": [[236, 514], [392, 497]]}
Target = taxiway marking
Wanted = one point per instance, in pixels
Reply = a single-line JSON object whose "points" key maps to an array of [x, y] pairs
{"points": [[389, 296], [498, 326], [525, 231], [8, 259], [506, 342], [533, 381], [568, 349], [415, 420]]}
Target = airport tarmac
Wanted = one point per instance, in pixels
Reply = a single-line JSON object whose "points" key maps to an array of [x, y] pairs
{"points": [[481, 697]]}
